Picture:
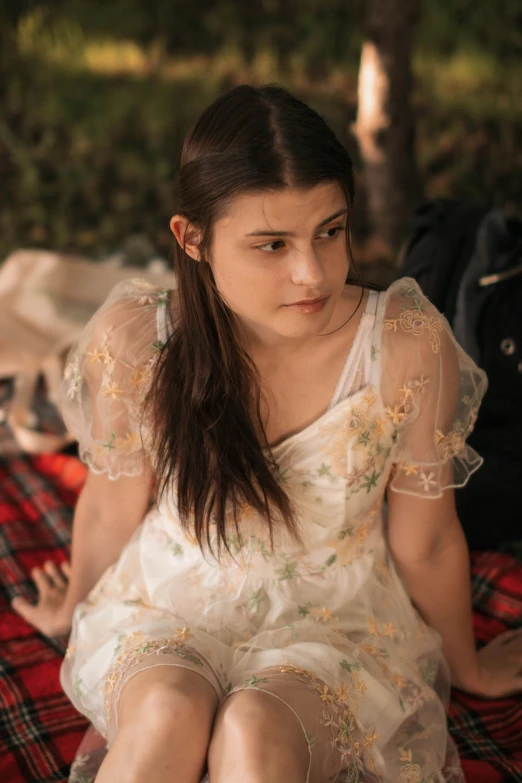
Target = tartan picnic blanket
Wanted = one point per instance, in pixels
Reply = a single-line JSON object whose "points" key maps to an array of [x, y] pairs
{"points": [[40, 731]]}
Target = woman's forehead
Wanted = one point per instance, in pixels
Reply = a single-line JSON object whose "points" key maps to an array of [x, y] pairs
{"points": [[282, 210]]}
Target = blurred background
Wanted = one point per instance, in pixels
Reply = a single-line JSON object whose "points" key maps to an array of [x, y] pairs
{"points": [[95, 98]]}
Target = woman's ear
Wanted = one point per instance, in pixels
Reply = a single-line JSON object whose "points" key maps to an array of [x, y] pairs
{"points": [[186, 233]]}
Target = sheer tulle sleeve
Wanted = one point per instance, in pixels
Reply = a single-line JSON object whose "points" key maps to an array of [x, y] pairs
{"points": [[108, 373], [432, 391]]}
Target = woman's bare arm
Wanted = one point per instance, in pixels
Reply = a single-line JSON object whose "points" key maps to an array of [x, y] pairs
{"points": [[430, 549], [106, 515]]}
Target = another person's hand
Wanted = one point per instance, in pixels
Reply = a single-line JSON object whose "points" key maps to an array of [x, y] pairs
{"points": [[49, 614], [500, 667]]}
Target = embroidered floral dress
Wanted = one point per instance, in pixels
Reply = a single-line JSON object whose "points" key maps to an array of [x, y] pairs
{"points": [[326, 628]]}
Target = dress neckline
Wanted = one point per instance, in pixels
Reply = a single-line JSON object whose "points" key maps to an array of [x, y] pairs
{"points": [[351, 354], [359, 333], [351, 398]]}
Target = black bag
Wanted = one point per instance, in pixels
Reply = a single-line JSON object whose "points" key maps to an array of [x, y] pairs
{"points": [[468, 262]]}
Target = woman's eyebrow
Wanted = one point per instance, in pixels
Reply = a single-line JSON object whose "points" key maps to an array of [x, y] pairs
{"points": [[291, 233]]}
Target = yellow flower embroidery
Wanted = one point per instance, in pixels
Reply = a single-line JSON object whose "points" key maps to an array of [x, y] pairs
{"points": [[369, 739], [112, 390], [96, 355], [449, 445], [396, 415], [361, 687], [131, 442], [139, 377], [417, 322], [405, 755], [342, 693], [389, 630], [380, 427], [291, 668], [420, 384], [326, 614], [325, 694], [369, 397], [410, 773], [399, 681], [410, 470], [182, 633], [372, 627]]}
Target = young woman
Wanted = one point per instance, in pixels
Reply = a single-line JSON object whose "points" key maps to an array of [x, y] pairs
{"points": [[292, 601]]}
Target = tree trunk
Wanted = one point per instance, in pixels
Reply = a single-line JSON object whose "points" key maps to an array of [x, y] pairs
{"points": [[384, 127]]}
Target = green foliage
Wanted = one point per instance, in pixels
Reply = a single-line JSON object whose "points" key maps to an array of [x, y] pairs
{"points": [[87, 160], [96, 97], [452, 26]]}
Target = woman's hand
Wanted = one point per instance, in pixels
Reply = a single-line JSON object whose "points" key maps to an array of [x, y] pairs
{"points": [[500, 668], [49, 615]]}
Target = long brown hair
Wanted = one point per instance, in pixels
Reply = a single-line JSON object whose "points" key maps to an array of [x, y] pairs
{"points": [[207, 450]]}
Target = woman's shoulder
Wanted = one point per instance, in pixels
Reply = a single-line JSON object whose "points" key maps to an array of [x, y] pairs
{"points": [[408, 315], [108, 373], [405, 294], [124, 335], [134, 309]]}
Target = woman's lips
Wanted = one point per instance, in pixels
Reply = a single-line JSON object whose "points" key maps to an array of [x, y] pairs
{"points": [[308, 307]]}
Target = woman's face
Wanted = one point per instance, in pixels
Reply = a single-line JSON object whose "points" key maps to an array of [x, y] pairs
{"points": [[277, 248]]}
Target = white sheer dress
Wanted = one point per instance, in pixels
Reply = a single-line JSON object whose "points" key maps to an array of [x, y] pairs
{"points": [[328, 628]]}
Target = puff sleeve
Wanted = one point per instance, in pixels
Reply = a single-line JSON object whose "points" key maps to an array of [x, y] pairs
{"points": [[107, 376], [432, 391]]}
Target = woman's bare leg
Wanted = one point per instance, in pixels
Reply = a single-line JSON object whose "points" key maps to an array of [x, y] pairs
{"points": [[256, 738], [165, 720]]}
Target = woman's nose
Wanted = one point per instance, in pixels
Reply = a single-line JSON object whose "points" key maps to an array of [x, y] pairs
{"points": [[307, 268]]}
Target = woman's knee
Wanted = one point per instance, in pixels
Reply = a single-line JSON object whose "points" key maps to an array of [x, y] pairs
{"points": [[255, 716], [258, 737], [171, 697]]}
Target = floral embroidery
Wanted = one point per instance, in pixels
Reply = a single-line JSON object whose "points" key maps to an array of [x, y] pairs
{"points": [[451, 444], [340, 706], [415, 320], [427, 481], [141, 376], [396, 415], [112, 390], [389, 630], [409, 470], [73, 375], [125, 380], [131, 442], [420, 384], [410, 773]]}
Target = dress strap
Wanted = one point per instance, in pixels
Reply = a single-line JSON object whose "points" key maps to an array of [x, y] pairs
{"points": [[374, 345], [163, 320], [356, 356]]}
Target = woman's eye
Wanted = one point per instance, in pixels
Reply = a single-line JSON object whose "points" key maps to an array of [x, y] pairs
{"points": [[270, 245], [336, 229], [330, 232]]}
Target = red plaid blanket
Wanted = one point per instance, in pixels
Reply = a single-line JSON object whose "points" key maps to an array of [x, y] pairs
{"points": [[39, 729]]}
